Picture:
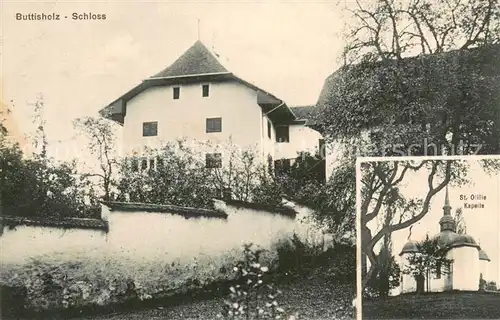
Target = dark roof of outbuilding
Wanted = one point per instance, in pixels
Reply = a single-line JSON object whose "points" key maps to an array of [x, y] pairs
{"points": [[302, 112], [64, 223], [196, 60]]}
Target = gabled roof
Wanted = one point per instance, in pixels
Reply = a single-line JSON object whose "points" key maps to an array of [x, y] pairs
{"points": [[199, 64], [196, 60]]}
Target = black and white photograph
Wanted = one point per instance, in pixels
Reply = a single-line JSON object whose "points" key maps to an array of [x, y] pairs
{"points": [[198, 159], [430, 244]]}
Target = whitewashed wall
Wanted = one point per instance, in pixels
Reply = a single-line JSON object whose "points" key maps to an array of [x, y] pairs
{"points": [[145, 236], [21, 243], [464, 276], [186, 117], [302, 138], [465, 268]]}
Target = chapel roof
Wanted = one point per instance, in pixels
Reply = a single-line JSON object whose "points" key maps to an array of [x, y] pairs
{"points": [[409, 247]]}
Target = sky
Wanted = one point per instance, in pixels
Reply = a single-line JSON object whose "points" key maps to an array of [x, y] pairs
{"points": [[482, 224], [287, 48]]}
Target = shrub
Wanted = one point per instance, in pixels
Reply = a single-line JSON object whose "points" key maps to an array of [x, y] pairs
{"points": [[42, 187], [299, 258], [254, 296]]}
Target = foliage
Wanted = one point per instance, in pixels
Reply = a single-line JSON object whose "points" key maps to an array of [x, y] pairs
{"points": [[417, 104], [491, 286], [176, 175], [180, 178], [252, 297], [431, 259], [461, 226], [38, 186], [299, 258], [385, 277], [334, 202], [390, 100], [41, 187]]}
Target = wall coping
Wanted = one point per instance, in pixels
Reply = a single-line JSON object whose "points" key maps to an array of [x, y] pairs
{"points": [[186, 212], [269, 208], [62, 223]]}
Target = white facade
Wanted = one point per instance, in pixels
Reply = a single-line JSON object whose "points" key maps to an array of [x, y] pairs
{"points": [[205, 90], [464, 273], [186, 117]]}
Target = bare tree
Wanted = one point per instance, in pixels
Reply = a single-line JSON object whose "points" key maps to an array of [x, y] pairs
{"points": [[379, 180], [393, 29], [101, 144]]}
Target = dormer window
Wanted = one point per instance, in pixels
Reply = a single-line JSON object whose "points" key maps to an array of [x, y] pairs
{"points": [[205, 90], [176, 92]]}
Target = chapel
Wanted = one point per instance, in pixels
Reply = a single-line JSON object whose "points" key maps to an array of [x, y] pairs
{"points": [[469, 261]]}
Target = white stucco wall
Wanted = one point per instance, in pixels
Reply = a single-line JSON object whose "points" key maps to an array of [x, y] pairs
{"points": [[186, 117], [302, 138], [20, 244], [144, 237], [243, 122], [465, 273], [465, 268]]}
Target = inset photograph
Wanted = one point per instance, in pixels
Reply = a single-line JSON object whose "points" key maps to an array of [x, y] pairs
{"points": [[429, 244]]}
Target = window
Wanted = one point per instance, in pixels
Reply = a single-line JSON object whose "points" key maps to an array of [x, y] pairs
{"points": [[213, 160], [149, 129], [205, 90], [151, 164], [144, 164], [282, 134], [214, 125], [269, 129], [177, 92]]}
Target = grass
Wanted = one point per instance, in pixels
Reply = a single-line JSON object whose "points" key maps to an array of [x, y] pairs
{"points": [[313, 297], [444, 305]]}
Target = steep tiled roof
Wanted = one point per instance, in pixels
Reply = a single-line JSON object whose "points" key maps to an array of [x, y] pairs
{"points": [[65, 223], [196, 60], [198, 64]]}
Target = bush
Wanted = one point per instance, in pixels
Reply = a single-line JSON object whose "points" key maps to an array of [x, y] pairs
{"points": [[41, 187], [254, 296], [298, 258]]}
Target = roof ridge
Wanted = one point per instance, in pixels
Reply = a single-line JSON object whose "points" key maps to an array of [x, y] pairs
{"points": [[196, 60]]}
